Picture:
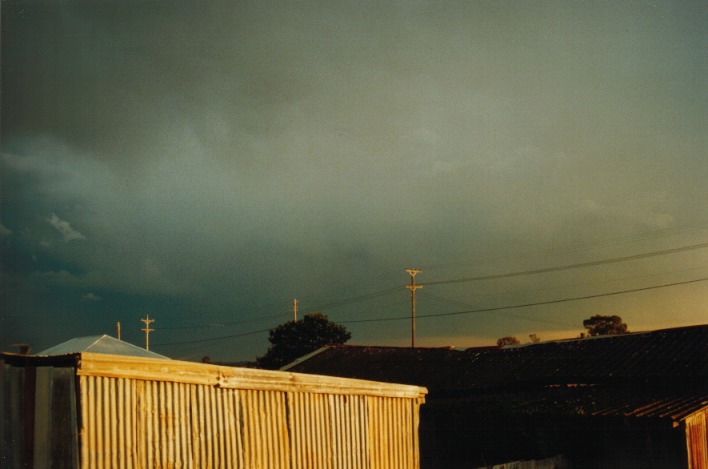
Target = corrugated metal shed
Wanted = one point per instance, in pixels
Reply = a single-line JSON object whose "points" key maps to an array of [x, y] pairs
{"points": [[93, 410]]}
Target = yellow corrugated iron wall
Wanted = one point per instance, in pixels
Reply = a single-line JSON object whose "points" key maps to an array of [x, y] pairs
{"points": [[134, 423]]}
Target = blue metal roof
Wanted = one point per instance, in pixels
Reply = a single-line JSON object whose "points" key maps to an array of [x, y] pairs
{"points": [[99, 344]]}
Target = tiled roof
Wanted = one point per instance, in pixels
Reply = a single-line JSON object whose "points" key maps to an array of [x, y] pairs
{"points": [[673, 407], [671, 357], [605, 401], [658, 375], [665, 356], [388, 364]]}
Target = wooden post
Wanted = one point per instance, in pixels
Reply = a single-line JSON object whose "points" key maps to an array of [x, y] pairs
{"points": [[413, 287], [147, 330]]}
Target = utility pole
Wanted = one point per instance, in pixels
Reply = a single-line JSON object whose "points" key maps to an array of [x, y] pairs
{"points": [[147, 331], [118, 329], [413, 287], [295, 309]]}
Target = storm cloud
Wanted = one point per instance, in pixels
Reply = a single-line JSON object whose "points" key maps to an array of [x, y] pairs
{"points": [[206, 162]]}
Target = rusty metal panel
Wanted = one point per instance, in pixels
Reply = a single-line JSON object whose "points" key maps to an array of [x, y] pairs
{"points": [[697, 440]]}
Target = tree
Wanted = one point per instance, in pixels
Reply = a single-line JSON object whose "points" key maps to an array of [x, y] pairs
{"points": [[605, 325], [508, 340], [293, 339], [534, 338]]}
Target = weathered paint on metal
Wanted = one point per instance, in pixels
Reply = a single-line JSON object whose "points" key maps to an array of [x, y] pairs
{"points": [[696, 438]]}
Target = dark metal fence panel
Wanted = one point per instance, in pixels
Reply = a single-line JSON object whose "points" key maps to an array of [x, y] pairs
{"points": [[39, 418]]}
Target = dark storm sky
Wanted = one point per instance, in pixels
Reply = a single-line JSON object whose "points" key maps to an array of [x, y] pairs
{"points": [[207, 162]]}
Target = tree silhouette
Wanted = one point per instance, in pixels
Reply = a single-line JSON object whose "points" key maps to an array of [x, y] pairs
{"points": [[508, 340], [605, 325], [293, 339]]}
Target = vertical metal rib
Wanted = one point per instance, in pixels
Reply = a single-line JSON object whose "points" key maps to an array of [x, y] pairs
{"points": [[133, 423]]}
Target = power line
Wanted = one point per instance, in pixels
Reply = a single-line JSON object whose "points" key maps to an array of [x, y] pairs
{"points": [[243, 334], [333, 304], [527, 305], [456, 313], [575, 249], [571, 266], [387, 291], [355, 299], [455, 302], [227, 323]]}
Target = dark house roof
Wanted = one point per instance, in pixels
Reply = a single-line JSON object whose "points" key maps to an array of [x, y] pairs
{"points": [[654, 373]]}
